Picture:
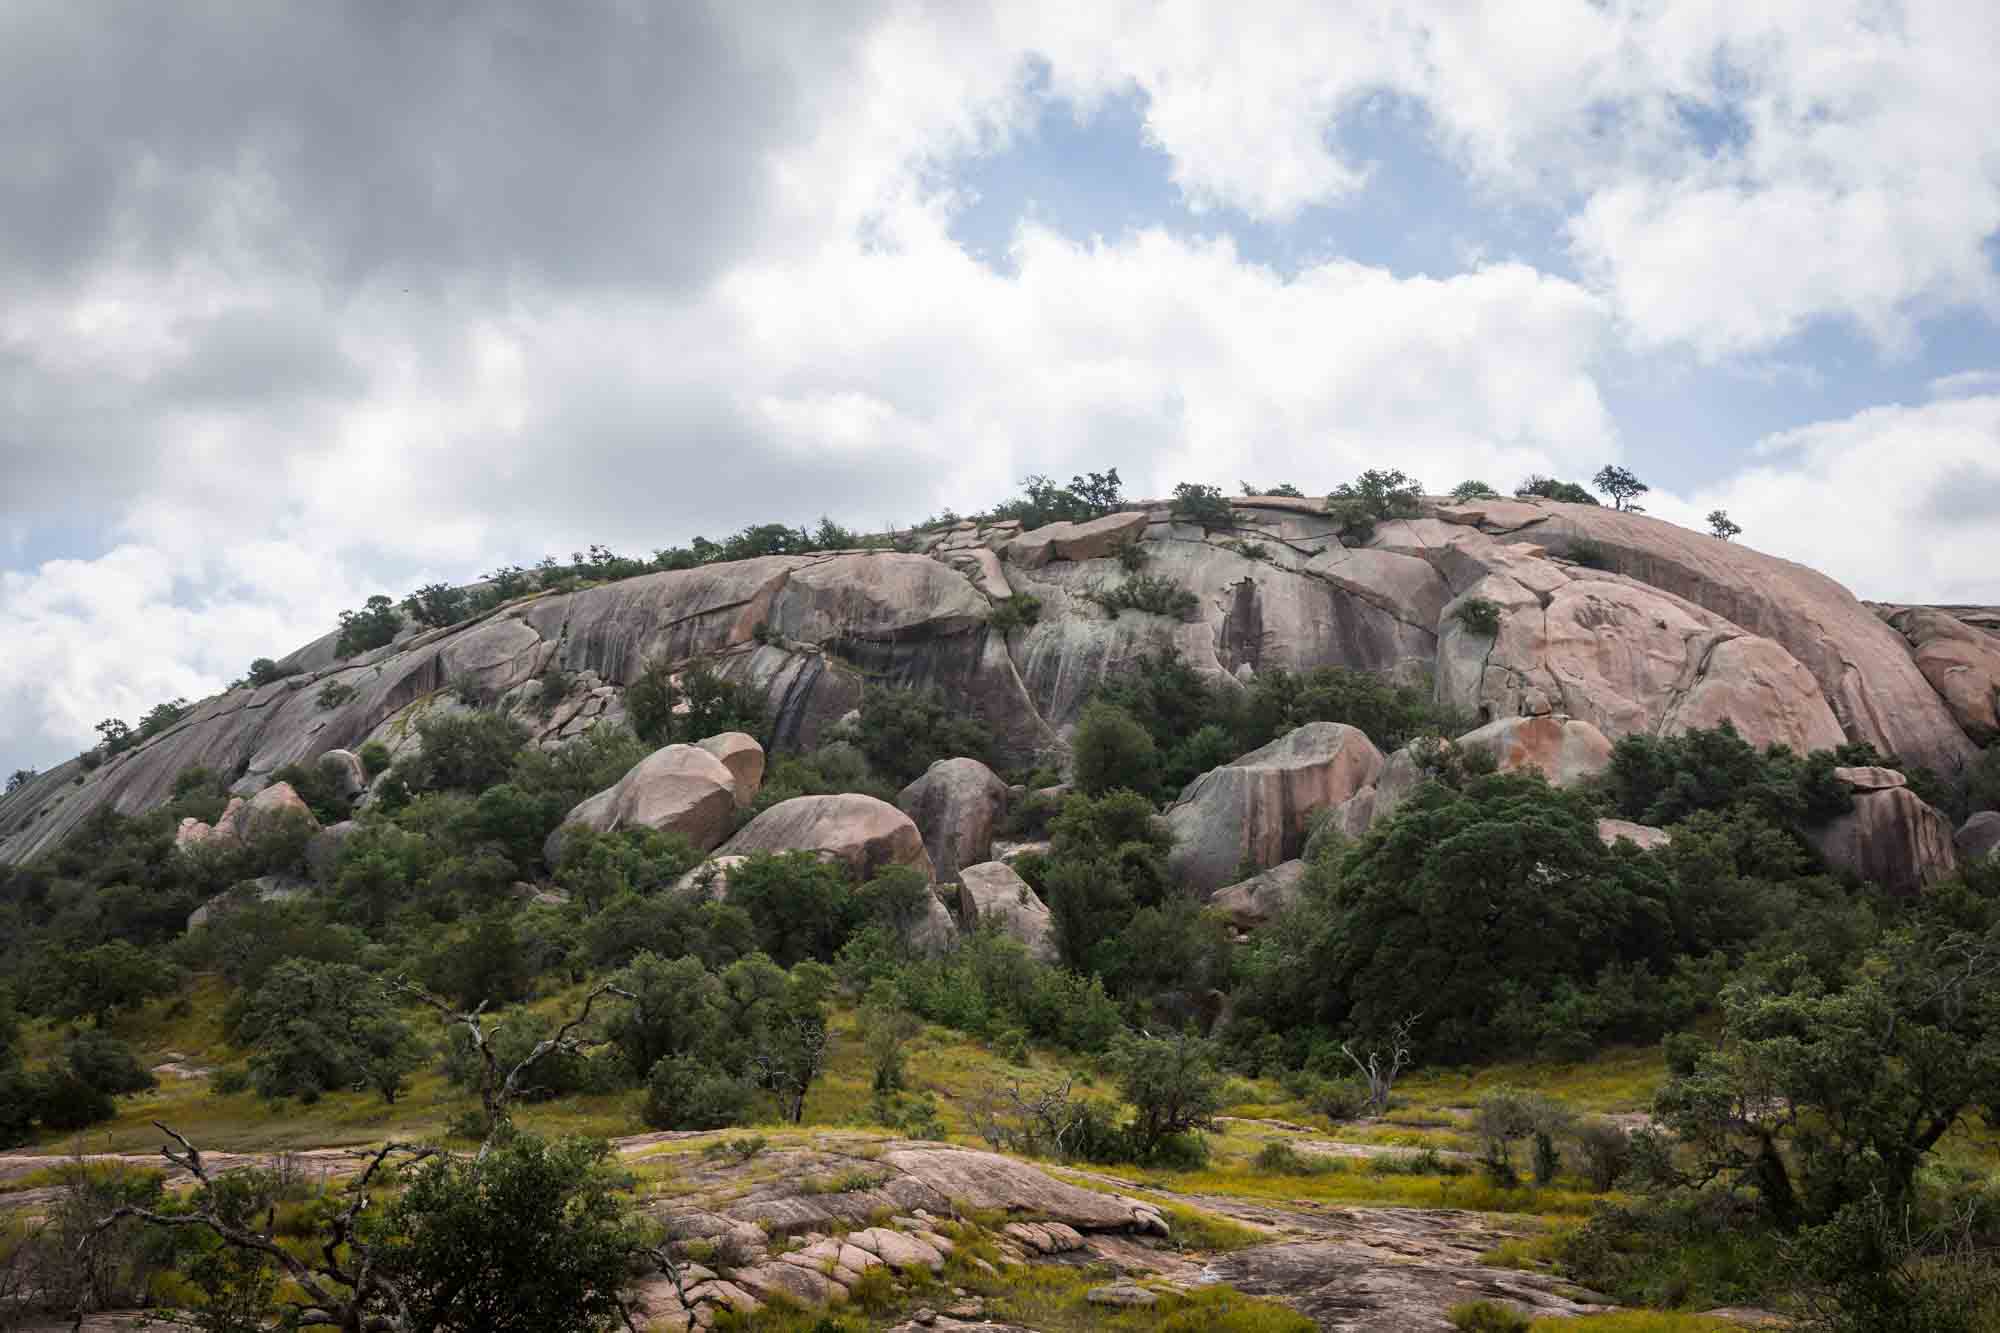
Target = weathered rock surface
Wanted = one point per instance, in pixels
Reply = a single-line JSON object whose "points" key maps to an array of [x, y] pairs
{"points": [[1961, 661], [1567, 750], [862, 833], [1979, 836], [1643, 836], [350, 778], [992, 895], [1891, 838], [680, 789], [955, 804], [934, 933], [269, 811], [1257, 807], [1261, 897], [743, 757], [1075, 541]]}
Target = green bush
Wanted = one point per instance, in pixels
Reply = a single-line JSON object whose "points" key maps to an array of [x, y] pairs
{"points": [[1110, 750], [1473, 490], [375, 625], [107, 1064], [264, 671], [1488, 1317], [316, 1028], [436, 605], [1479, 615], [1536, 486], [1152, 593], [903, 732], [1085, 498], [1173, 1085], [466, 752], [1016, 612], [1132, 556], [1206, 505], [333, 694], [684, 1093], [374, 758], [1589, 554], [1376, 496], [665, 705]]}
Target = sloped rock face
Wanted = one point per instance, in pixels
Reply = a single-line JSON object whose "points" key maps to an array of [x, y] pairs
{"points": [[1256, 809], [1961, 661], [864, 834], [955, 805], [1257, 899], [1680, 631], [1891, 838], [992, 895]]}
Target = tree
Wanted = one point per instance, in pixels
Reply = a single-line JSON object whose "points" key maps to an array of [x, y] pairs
{"points": [[1621, 486], [1721, 525], [802, 907], [115, 735], [376, 624], [437, 605], [903, 732], [463, 751], [263, 671], [1196, 503], [1385, 1060], [1473, 490], [1373, 497], [315, 1028], [1110, 750], [1173, 1084], [792, 1056], [1284, 488], [99, 982], [18, 779], [1820, 1099], [887, 1026], [1536, 486]]}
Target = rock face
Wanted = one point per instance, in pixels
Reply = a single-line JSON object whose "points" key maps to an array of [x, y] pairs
{"points": [[1261, 897], [955, 804], [1672, 630], [1979, 836], [1643, 836], [1891, 837], [1566, 750], [1961, 661], [992, 895], [862, 833], [744, 758], [1257, 807], [680, 789]]}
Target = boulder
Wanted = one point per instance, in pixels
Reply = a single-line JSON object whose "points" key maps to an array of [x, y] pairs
{"points": [[1979, 836], [1962, 663], [1644, 836], [1261, 897], [1891, 838], [1257, 808], [680, 789], [344, 767], [1567, 750], [1870, 778], [991, 894], [323, 851], [708, 881], [863, 833], [955, 804], [1075, 541], [743, 757], [933, 933], [264, 814]]}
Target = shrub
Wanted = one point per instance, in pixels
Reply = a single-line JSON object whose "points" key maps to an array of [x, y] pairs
{"points": [[1151, 593], [1374, 497], [1110, 750], [1488, 1317], [1589, 554], [463, 751], [1249, 550], [1606, 1153], [1479, 615], [1338, 1098], [376, 624], [1016, 612], [107, 1064], [1132, 556], [1473, 490], [665, 705], [1173, 1085], [333, 694], [684, 1093], [554, 685], [1206, 505], [374, 758], [318, 1027], [903, 732], [1085, 498], [1536, 486], [263, 671]]}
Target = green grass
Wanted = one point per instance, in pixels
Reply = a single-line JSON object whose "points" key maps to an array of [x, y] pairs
{"points": [[1636, 1321]]}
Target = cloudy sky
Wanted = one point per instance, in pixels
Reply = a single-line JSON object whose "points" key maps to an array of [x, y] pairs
{"points": [[300, 302]]}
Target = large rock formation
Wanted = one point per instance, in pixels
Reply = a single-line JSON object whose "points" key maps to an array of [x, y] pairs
{"points": [[862, 833], [1255, 809], [1891, 837], [992, 895], [1674, 630], [955, 804]]}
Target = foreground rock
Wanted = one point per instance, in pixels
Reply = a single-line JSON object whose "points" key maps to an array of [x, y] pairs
{"points": [[1979, 836], [1891, 837], [1256, 809], [956, 804], [862, 833], [1261, 897], [744, 758], [1566, 750], [680, 789], [991, 895]]}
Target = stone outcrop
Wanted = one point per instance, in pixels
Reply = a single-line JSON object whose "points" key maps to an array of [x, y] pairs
{"points": [[1890, 838], [264, 814], [1979, 837], [991, 895], [1261, 897], [744, 758], [1566, 750], [1256, 809], [680, 789], [864, 834], [1643, 836], [955, 804], [1962, 663], [1670, 630]]}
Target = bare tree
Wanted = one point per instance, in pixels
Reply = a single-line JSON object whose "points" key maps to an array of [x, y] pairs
{"points": [[1383, 1063]]}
